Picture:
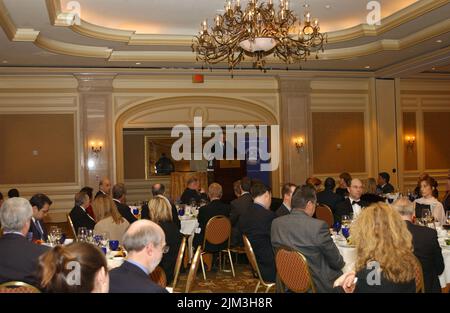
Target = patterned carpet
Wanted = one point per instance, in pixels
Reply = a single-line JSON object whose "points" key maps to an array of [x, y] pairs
{"points": [[221, 281]]}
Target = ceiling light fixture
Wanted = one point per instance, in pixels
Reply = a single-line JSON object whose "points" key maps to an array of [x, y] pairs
{"points": [[257, 31]]}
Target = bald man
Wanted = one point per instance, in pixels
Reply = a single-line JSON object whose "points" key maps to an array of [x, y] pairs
{"points": [[145, 243], [104, 187], [353, 204]]}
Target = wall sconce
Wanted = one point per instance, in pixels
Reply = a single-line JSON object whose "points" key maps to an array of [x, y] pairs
{"points": [[96, 147], [410, 141], [299, 144]]}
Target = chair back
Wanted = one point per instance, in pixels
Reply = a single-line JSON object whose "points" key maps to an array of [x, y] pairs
{"points": [[193, 270], [293, 270], [159, 276], [74, 233], [18, 287], [420, 285], [324, 213], [179, 261], [218, 230], [251, 256]]}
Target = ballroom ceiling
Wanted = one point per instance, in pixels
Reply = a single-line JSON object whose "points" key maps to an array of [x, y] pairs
{"points": [[157, 34]]}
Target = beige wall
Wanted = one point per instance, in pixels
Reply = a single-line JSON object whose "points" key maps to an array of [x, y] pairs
{"points": [[134, 156], [409, 129]]}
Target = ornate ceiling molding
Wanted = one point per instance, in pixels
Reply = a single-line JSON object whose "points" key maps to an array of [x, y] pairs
{"points": [[58, 18]]}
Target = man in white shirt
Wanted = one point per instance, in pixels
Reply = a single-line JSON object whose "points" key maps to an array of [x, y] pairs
{"points": [[40, 204], [353, 204], [104, 187], [287, 191]]}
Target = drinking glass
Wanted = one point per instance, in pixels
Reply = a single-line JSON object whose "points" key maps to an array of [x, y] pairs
{"points": [[448, 217], [426, 216], [90, 236], [82, 234], [346, 220]]}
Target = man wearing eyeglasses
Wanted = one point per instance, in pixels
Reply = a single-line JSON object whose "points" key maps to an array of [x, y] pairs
{"points": [[145, 243], [41, 205]]}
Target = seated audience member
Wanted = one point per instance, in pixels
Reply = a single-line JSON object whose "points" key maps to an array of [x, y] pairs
{"points": [[145, 243], [18, 256], [429, 192], [161, 214], [446, 199], [159, 190], [384, 263], [327, 196], [384, 186], [353, 204], [40, 204], [345, 180], [425, 244], [55, 269], [79, 216], [371, 192], [286, 192], [205, 213], [104, 187], [238, 207], [109, 219], [237, 188], [13, 193], [90, 193], [119, 196], [300, 231], [193, 193], [315, 182], [255, 223]]}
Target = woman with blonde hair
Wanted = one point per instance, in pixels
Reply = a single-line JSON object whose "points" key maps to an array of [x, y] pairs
{"points": [[371, 192], [161, 214], [108, 218], [385, 261]]}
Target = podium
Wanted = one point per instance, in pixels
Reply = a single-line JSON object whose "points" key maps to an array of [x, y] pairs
{"points": [[178, 182]]}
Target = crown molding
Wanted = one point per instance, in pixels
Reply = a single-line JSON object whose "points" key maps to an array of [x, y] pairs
{"points": [[58, 18]]}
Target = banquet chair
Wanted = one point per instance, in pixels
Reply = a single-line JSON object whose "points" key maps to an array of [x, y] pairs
{"points": [[72, 228], [293, 270], [252, 259], [217, 231], [159, 276], [179, 261], [18, 287], [324, 213], [193, 270], [420, 285]]}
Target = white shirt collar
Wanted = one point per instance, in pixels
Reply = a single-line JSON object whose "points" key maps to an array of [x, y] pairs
{"points": [[287, 206], [118, 201]]}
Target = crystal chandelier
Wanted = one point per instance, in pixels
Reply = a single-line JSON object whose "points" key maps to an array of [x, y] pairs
{"points": [[256, 32]]}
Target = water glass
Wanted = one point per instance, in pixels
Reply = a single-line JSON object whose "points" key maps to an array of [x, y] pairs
{"points": [[82, 234], [448, 217], [90, 236]]}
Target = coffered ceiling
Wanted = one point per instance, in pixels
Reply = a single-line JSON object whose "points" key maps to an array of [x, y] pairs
{"points": [[413, 36]]}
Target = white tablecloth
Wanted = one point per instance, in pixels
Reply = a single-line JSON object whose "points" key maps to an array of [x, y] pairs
{"points": [[188, 228], [349, 255]]}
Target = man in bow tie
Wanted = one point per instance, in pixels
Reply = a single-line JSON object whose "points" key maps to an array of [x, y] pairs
{"points": [[353, 204]]}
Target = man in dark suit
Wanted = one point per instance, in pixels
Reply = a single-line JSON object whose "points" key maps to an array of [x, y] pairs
{"points": [[300, 231], [426, 246], [327, 196], [18, 256], [286, 192], [238, 207], [255, 223], [119, 197], [145, 243], [353, 204], [40, 204], [383, 183], [104, 187], [159, 190], [78, 215], [193, 192], [214, 208]]}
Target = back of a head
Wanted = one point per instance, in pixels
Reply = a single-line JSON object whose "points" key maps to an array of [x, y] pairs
{"points": [[191, 181], [404, 207], [56, 268], [330, 183], [14, 214], [385, 176], [118, 191], [39, 200], [237, 187], [140, 234], [160, 209], [302, 195], [104, 207], [371, 185], [88, 190], [80, 198], [13, 193], [258, 189], [246, 184], [313, 181], [382, 236], [286, 189], [158, 189], [215, 191], [346, 177]]}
